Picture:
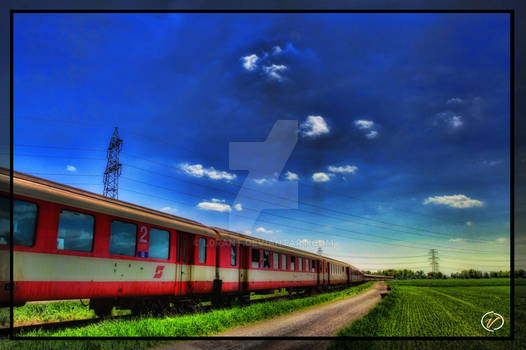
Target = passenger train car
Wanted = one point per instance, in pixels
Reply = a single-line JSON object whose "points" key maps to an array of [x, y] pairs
{"points": [[72, 244]]}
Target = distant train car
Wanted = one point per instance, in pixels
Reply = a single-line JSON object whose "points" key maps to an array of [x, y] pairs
{"points": [[71, 244]]}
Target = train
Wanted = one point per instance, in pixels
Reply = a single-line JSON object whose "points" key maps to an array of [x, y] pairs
{"points": [[74, 244]]}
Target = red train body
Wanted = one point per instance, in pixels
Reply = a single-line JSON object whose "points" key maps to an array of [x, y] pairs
{"points": [[72, 244]]}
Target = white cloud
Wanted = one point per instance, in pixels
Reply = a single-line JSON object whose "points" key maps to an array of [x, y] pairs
{"points": [[169, 210], [314, 126], [450, 119], [371, 134], [347, 169], [198, 170], [456, 121], [247, 232], [238, 207], [276, 50], [290, 176], [364, 124], [492, 163], [469, 223], [71, 168], [454, 100], [261, 229], [250, 62], [215, 205], [501, 240], [454, 201], [456, 240], [274, 71], [320, 177], [264, 180]]}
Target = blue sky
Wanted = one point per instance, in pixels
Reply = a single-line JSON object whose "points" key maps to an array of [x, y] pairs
{"points": [[403, 124]]}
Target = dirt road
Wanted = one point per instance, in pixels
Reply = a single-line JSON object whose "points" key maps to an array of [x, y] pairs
{"points": [[319, 321]]}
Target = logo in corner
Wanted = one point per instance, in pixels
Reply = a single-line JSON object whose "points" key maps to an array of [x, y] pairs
{"points": [[492, 321]]}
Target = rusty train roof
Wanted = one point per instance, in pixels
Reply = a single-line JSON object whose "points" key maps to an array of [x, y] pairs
{"points": [[36, 187], [43, 189]]}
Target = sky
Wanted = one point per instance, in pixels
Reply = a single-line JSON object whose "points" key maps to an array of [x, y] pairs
{"points": [[386, 134]]}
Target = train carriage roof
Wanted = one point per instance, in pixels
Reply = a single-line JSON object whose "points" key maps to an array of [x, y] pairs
{"points": [[38, 188], [258, 242]]}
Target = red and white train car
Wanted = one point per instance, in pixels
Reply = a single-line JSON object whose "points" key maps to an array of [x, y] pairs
{"points": [[71, 244]]}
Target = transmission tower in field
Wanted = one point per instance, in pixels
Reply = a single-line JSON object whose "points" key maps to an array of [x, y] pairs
{"points": [[113, 167], [433, 258]]}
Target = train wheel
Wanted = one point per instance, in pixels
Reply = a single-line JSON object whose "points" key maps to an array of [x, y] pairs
{"points": [[101, 308]]}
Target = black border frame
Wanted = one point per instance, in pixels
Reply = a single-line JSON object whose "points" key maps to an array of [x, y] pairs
{"points": [[511, 12]]}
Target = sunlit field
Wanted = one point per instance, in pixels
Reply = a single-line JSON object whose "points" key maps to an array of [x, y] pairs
{"points": [[436, 308]]}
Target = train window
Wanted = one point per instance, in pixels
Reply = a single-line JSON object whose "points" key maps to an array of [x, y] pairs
{"points": [[123, 238], [283, 262], [307, 265], [300, 264], [255, 258], [233, 255], [275, 261], [292, 258], [24, 221], [75, 231], [202, 250], [266, 260], [313, 266], [159, 244]]}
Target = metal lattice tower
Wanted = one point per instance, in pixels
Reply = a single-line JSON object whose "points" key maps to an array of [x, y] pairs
{"points": [[113, 167], [433, 258]]}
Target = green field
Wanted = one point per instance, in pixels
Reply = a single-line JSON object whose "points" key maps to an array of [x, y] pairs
{"points": [[435, 309], [424, 308]]}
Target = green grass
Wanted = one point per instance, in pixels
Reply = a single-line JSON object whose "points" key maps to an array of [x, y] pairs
{"points": [[212, 322], [453, 282], [51, 312], [439, 308], [4, 316]]}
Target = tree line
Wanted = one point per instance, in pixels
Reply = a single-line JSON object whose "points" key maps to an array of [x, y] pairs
{"points": [[405, 274]]}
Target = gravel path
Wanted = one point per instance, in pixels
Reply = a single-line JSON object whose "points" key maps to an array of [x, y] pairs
{"points": [[319, 321]]}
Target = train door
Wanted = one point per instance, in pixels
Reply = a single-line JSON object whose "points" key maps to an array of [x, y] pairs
{"points": [[348, 273], [243, 266], [183, 268], [318, 268]]}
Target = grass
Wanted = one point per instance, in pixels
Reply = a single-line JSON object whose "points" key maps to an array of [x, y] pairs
{"points": [[439, 308], [435, 309], [33, 313], [212, 322]]}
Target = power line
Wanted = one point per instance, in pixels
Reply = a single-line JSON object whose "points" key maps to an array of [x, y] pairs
{"points": [[361, 233], [299, 209], [304, 221], [157, 140], [435, 233], [295, 227], [305, 203]]}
